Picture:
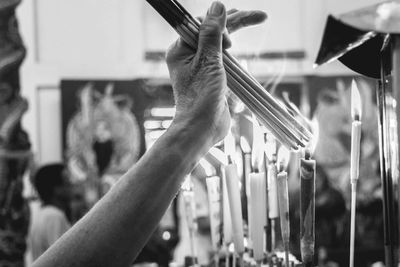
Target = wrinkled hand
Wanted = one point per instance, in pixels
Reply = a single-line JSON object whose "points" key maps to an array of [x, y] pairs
{"points": [[198, 77]]}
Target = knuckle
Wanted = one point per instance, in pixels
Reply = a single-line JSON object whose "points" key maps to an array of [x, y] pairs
{"points": [[209, 59], [210, 28]]}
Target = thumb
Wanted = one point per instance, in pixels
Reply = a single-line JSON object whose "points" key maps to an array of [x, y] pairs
{"points": [[211, 30]]}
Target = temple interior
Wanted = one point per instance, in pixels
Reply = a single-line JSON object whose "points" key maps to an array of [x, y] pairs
{"points": [[306, 175]]}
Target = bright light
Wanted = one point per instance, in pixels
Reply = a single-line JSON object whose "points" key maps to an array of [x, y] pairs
{"points": [[163, 112], [166, 235], [151, 125], [156, 134], [166, 124]]}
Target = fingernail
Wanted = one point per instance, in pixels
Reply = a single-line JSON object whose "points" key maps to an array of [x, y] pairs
{"points": [[216, 8]]}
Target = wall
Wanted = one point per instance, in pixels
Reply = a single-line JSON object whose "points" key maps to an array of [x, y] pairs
{"points": [[108, 39]]}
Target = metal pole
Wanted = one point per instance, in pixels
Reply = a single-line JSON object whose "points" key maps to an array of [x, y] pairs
{"points": [[390, 226]]}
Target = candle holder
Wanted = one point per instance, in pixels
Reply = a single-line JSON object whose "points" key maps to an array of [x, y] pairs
{"points": [[367, 41]]}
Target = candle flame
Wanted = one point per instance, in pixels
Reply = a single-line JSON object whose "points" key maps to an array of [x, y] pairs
{"points": [[315, 131], [229, 143], [218, 155], [208, 167], [356, 107], [244, 144], [283, 158], [258, 145]]}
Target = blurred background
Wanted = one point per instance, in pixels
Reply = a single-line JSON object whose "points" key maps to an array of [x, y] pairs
{"points": [[101, 63]]}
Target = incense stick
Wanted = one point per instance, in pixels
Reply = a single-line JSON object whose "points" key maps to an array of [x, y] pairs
{"points": [[275, 117]]}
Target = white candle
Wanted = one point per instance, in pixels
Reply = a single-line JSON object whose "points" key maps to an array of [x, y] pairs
{"points": [[258, 212], [190, 212], [355, 132], [283, 201], [273, 211], [354, 160], [232, 184], [355, 150], [214, 203], [227, 217]]}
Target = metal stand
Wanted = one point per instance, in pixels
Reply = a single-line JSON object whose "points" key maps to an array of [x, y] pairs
{"points": [[385, 116]]}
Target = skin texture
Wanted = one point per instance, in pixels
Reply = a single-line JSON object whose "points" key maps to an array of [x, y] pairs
{"points": [[118, 226]]}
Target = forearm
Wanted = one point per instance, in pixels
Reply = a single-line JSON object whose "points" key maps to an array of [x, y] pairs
{"points": [[116, 229]]}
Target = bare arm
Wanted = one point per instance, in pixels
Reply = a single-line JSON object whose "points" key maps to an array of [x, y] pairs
{"points": [[117, 227]]}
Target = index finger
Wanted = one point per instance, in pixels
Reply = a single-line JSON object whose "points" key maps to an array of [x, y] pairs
{"points": [[241, 19]]}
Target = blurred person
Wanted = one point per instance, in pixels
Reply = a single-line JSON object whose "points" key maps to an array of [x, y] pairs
{"points": [[49, 221], [114, 231]]}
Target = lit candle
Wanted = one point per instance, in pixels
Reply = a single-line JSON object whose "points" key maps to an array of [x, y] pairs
{"points": [[355, 160], [232, 185], [307, 208], [258, 212], [283, 200]]}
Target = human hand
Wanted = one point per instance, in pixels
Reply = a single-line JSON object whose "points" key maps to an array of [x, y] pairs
{"points": [[198, 77]]}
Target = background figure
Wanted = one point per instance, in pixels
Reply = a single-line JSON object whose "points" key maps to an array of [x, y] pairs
{"points": [[103, 140], [14, 144], [49, 222]]}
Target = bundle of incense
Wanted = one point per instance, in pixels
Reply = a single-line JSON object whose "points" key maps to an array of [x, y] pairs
{"points": [[232, 185], [307, 209], [355, 161], [272, 114], [294, 110], [258, 213], [190, 211]]}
